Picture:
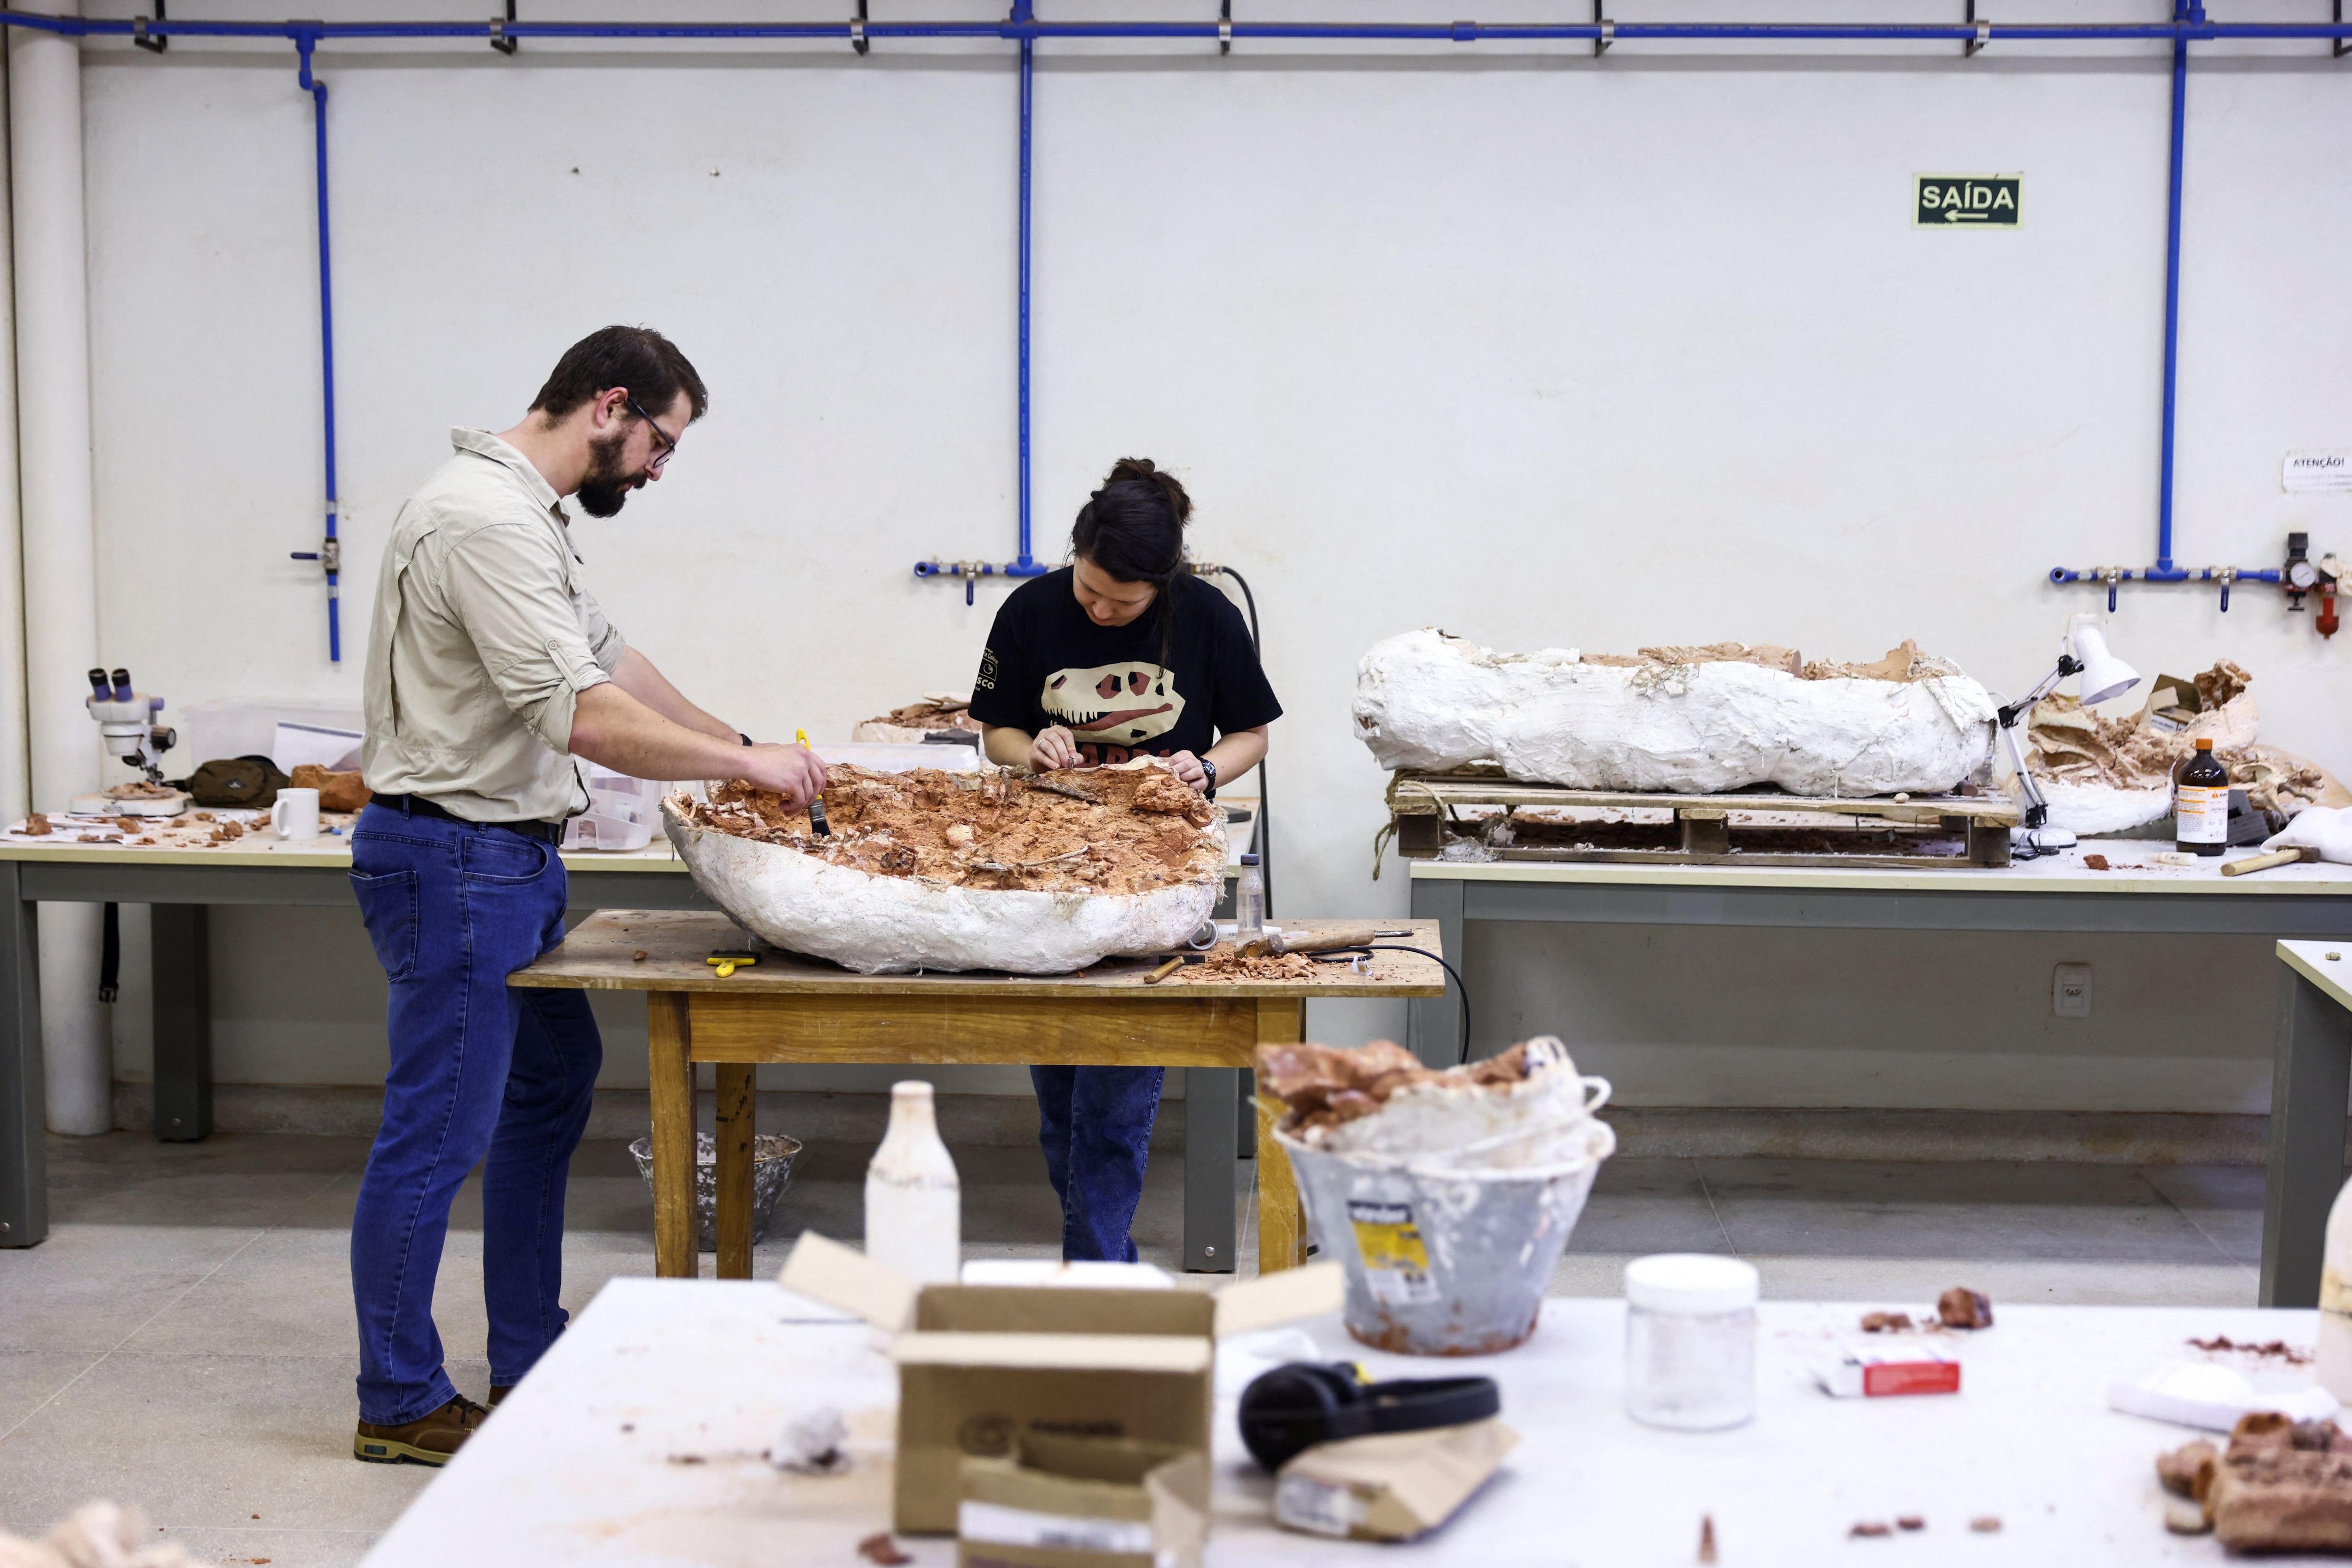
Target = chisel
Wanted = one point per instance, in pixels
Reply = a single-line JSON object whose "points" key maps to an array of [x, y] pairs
{"points": [[817, 823], [2264, 862]]}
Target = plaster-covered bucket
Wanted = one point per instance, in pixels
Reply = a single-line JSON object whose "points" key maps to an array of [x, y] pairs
{"points": [[1448, 1254], [773, 1154]]}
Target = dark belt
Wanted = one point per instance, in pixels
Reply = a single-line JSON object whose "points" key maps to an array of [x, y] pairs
{"points": [[417, 806]]}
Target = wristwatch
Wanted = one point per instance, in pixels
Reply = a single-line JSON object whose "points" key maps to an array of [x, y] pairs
{"points": [[1209, 768]]}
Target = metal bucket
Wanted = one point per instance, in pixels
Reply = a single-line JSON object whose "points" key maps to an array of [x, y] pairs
{"points": [[1446, 1254], [771, 1170]]}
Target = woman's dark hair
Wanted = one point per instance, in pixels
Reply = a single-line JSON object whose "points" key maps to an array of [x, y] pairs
{"points": [[638, 358], [1132, 530]]}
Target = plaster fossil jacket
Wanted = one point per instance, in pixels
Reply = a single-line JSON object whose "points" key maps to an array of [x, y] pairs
{"points": [[1682, 721], [934, 872]]}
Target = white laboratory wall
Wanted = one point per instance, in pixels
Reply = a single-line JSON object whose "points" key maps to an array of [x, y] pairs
{"points": [[1543, 350]]}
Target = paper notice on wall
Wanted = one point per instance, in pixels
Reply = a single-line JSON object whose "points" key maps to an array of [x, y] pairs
{"points": [[2329, 471]]}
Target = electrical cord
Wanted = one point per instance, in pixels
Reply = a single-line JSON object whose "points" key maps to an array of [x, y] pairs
{"points": [[1461, 992]]}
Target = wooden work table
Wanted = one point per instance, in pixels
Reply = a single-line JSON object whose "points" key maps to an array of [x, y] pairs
{"points": [[788, 1008]]}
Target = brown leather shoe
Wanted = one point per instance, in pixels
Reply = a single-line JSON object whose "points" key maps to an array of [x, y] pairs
{"points": [[430, 1439], [498, 1392]]}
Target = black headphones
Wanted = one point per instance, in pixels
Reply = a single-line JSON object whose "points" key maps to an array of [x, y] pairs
{"points": [[1294, 1408]]}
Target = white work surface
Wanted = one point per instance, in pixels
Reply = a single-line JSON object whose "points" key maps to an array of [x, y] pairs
{"points": [[2133, 868], [637, 1441], [2326, 964]]}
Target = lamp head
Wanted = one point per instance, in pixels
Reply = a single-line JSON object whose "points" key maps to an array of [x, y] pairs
{"points": [[2104, 675]]}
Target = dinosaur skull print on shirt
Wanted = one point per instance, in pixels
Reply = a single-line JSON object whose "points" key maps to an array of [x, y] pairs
{"points": [[1145, 688]]}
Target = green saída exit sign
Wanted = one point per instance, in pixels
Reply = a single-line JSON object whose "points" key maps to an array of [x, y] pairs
{"points": [[1968, 201]]}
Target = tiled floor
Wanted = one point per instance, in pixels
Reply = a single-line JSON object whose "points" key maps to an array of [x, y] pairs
{"points": [[183, 1340]]}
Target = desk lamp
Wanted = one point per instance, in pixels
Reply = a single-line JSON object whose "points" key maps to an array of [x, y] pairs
{"points": [[2104, 675]]}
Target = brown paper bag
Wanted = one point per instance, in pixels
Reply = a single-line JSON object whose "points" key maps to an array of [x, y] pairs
{"points": [[1391, 1486]]}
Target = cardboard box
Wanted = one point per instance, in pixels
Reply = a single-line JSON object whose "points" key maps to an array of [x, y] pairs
{"points": [[982, 1366], [1083, 1502]]}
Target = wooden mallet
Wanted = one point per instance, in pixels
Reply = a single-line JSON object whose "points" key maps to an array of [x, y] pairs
{"points": [[2264, 862]]}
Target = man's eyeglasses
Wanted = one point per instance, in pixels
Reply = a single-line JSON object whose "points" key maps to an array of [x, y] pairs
{"points": [[667, 446]]}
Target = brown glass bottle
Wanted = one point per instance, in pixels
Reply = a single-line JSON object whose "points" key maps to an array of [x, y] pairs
{"points": [[2201, 804]]}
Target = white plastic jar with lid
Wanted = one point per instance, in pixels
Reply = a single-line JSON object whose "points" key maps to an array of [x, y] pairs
{"points": [[1690, 1341]]}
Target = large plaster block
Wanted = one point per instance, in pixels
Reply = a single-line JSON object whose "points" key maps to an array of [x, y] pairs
{"points": [[1430, 701], [898, 925]]}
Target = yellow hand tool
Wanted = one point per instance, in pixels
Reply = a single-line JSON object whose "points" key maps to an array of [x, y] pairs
{"points": [[728, 963], [817, 823]]}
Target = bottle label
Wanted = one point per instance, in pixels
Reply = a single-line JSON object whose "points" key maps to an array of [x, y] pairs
{"points": [[1396, 1262], [2202, 814]]}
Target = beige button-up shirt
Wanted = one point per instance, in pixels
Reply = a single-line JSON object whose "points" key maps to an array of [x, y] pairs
{"points": [[483, 639]]}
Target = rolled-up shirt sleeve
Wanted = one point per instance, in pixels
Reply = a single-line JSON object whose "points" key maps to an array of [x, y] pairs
{"points": [[507, 585]]}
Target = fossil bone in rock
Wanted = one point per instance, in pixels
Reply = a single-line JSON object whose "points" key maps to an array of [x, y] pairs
{"points": [[2102, 775], [943, 870], [1690, 721]]}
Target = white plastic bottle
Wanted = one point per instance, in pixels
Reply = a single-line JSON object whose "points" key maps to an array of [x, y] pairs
{"points": [[914, 1206], [2334, 1368]]}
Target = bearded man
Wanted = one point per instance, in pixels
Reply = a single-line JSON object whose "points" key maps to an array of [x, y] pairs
{"points": [[489, 670]]}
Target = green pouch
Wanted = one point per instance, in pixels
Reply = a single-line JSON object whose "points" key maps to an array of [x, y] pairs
{"points": [[252, 782]]}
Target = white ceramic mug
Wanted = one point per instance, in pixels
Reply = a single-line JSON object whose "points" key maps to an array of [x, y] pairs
{"points": [[295, 813]]}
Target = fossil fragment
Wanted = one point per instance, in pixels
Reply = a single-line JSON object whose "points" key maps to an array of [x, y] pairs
{"points": [[2281, 1486], [1961, 1308]]}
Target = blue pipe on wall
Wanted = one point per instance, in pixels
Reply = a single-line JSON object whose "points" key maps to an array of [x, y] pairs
{"points": [[1026, 565], [2113, 575], [331, 551], [2182, 10], [1025, 27]]}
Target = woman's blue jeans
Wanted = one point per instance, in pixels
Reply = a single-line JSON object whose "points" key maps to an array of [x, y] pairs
{"points": [[478, 1071], [1096, 1126]]}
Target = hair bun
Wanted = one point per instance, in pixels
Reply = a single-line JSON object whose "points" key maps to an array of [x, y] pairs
{"points": [[1142, 470]]}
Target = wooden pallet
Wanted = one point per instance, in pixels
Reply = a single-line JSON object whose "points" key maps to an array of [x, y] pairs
{"points": [[1707, 830]]}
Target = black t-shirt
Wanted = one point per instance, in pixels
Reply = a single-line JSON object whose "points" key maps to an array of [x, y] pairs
{"points": [[1048, 663]]}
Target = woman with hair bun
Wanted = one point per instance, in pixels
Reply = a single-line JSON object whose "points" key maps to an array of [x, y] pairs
{"points": [[1121, 654]]}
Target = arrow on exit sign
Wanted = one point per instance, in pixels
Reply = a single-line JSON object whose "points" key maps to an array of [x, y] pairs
{"points": [[1959, 201]]}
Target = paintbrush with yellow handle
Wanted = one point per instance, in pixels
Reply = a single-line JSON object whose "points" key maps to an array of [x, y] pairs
{"points": [[817, 823]]}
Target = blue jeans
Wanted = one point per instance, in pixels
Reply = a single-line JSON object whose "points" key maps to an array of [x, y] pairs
{"points": [[453, 909], [1096, 1126]]}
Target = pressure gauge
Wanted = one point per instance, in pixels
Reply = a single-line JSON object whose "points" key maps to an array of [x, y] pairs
{"points": [[2301, 574]]}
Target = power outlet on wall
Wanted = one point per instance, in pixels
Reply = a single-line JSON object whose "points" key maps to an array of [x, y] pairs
{"points": [[2070, 990]]}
